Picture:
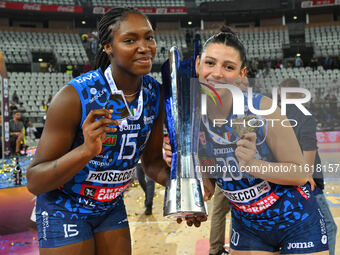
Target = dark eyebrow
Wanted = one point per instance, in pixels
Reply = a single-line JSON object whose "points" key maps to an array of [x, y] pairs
{"points": [[136, 34], [225, 62]]}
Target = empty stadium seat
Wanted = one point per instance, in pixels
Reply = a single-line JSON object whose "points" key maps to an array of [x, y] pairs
{"points": [[325, 39], [17, 47]]}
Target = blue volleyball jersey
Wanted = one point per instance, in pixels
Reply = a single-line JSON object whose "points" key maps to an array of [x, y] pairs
{"points": [[259, 204], [100, 184]]}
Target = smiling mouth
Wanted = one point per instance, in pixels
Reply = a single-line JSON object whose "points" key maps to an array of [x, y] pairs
{"points": [[144, 60]]}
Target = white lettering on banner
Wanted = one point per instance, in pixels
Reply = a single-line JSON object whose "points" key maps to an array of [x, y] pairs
{"points": [[98, 10], [258, 206], [5, 81], [6, 110], [32, 7], [302, 245], [111, 176], [246, 195], [6, 131], [65, 9], [161, 10], [2, 4]]}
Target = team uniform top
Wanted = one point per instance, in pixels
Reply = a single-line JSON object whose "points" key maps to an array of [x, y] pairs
{"points": [[99, 185], [259, 204]]}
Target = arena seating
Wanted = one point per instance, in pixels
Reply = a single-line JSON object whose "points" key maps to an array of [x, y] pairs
{"points": [[325, 39], [171, 38], [318, 80], [34, 88], [17, 46], [261, 43], [137, 3]]}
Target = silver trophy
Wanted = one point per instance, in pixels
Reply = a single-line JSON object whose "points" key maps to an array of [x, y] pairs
{"points": [[183, 194]]}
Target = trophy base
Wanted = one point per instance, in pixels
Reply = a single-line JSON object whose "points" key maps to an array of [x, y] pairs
{"points": [[184, 198]]}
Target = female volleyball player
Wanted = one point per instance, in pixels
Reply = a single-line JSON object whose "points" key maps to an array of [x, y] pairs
{"points": [[85, 158], [273, 212]]}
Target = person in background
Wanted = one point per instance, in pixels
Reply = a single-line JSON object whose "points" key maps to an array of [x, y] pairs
{"points": [[43, 106], [13, 107], [76, 71], [298, 61], [16, 132], [221, 207], [49, 99], [314, 63], [15, 97], [30, 134], [162, 46], [148, 186], [272, 211]]}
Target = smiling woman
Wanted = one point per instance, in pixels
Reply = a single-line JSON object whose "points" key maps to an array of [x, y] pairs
{"points": [[80, 180]]}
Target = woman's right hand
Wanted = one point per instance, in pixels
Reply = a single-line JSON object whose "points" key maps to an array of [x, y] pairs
{"points": [[167, 151], [95, 127]]}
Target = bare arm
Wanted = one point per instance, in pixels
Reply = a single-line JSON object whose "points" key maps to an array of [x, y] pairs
{"points": [[152, 159], [55, 163], [284, 145], [309, 157]]}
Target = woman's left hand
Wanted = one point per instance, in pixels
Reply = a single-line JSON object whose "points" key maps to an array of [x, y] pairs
{"points": [[246, 149]]}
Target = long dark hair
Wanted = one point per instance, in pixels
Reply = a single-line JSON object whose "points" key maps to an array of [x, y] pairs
{"points": [[229, 38], [108, 24]]}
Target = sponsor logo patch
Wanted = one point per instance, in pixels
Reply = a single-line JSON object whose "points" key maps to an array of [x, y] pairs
{"points": [[104, 193], [110, 176], [304, 192], [301, 245], [246, 195], [258, 206], [110, 140]]}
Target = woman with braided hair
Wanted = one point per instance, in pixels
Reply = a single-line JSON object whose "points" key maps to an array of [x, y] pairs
{"points": [[79, 180]]}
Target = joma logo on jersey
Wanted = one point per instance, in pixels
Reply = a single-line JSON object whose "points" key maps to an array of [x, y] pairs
{"points": [[110, 140], [302, 245]]}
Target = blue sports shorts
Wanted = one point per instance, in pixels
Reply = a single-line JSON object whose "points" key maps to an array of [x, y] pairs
{"points": [[307, 236], [58, 226]]}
